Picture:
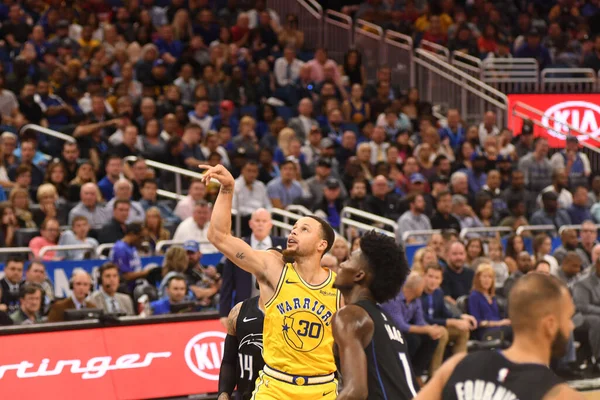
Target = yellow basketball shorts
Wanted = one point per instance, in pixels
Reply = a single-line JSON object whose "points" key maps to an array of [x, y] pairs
{"points": [[269, 388]]}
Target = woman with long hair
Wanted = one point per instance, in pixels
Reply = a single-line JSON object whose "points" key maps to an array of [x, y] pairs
{"points": [[19, 199], [496, 255], [85, 174], [484, 209], [483, 304], [290, 35], [154, 227], [8, 224], [355, 109], [47, 198], [182, 27], [423, 257], [56, 175], [514, 245], [353, 68], [154, 145], [340, 249], [175, 262], [542, 247], [474, 250], [284, 140]]}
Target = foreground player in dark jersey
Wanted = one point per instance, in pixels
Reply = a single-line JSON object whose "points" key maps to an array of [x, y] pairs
{"points": [[373, 356], [540, 309], [242, 356]]}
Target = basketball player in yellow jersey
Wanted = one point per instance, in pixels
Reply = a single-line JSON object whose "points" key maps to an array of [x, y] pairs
{"points": [[299, 299]]}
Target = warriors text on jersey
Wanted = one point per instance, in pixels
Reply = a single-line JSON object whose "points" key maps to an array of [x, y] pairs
{"points": [[488, 375], [298, 335], [389, 372], [249, 328]]}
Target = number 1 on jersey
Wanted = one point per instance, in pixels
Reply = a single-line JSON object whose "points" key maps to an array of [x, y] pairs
{"points": [[245, 365]]}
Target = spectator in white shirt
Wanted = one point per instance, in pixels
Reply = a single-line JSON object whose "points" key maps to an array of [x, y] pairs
{"points": [[488, 127], [260, 6], [196, 227], [123, 191], [211, 145], [378, 145], [200, 115], [196, 192], [250, 194], [414, 220], [287, 68]]}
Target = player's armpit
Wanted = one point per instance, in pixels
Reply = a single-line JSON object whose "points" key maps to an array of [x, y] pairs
{"points": [[352, 331], [563, 392], [433, 389]]}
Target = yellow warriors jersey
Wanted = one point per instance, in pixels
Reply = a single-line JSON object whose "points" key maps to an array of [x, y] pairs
{"points": [[297, 333]]}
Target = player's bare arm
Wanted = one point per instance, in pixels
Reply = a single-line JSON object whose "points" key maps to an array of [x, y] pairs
{"points": [[352, 331], [434, 387], [228, 366], [262, 264], [563, 392], [232, 319]]}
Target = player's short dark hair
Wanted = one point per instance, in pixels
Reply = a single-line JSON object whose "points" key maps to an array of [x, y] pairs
{"points": [[327, 232], [387, 261], [534, 296]]}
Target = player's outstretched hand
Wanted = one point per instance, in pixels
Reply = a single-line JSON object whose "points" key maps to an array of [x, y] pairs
{"points": [[218, 172]]}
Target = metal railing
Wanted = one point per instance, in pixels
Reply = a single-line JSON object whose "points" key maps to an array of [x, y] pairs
{"points": [[347, 222], [496, 229], [48, 132], [568, 80], [310, 21], [427, 232], [163, 243], [12, 250], [438, 50], [397, 53], [337, 34], [283, 228], [534, 228], [65, 247], [102, 248], [467, 63], [349, 211], [444, 84], [576, 227], [285, 215], [512, 75], [368, 40], [169, 168], [299, 209]]}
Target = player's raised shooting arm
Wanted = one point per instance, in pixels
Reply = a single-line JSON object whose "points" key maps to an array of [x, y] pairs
{"points": [[352, 332], [227, 373], [563, 391], [433, 389], [219, 230]]}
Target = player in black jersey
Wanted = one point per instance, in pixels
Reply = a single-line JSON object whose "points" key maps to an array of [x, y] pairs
{"points": [[242, 356], [373, 356], [540, 309]]}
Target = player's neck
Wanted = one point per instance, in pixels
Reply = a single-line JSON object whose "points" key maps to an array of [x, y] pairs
{"points": [[527, 349], [310, 270], [356, 294]]}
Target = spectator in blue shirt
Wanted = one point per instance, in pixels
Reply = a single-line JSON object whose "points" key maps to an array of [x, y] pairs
{"points": [[331, 205], [226, 117], [579, 210], [437, 313], [56, 111], [176, 291], [476, 175], [148, 190], [207, 29], [125, 255], [453, 133], [169, 48], [407, 313], [114, 168], [483, 305], [534, 49]]}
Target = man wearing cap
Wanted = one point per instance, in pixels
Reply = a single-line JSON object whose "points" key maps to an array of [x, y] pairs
{"points": [[550, 214], [414, 220], [226, 117], [533, 49], [316, 184], [203, 282], [504, 166], [331, 206], [327, 152], [524, 144], [575, 163], [477, 175]]}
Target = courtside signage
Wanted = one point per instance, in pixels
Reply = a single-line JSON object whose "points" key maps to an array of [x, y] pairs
{"points": [[130, 362], [581, 111]]}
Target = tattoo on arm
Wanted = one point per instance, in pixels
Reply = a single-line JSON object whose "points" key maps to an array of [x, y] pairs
{"points": [[240, 255], [232, 319], [226, 190]]}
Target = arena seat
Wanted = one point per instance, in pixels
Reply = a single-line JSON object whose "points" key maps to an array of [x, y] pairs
{"points": [[24, 236]]}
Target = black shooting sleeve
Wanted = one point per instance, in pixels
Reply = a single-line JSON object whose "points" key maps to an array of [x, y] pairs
{"points": [[228, 373]]}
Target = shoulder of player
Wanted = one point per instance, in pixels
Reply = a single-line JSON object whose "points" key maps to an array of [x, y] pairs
{"points": [[232, 319], [352, 321], [434, 387], [563, 391]]}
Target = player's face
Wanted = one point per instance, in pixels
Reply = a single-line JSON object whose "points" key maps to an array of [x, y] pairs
{"points": [[565, 327], [347, 272], [305, 238]]}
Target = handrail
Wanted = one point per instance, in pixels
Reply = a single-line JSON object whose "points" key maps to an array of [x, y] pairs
{"points": [[49, 132], [287, 215], [534, 228], [313, 7], [423, 232], [590, 75], [64, 247], [432, 59], [360, 225], [366, 27], [282, 225], [9, 250], [299, 209], [466, 61], [349, 211], [548, 117], [162, 243], [339, 15], [404, 42], [100, 249], [169, 195], [465, 231], [576, 227], [437, 50]]}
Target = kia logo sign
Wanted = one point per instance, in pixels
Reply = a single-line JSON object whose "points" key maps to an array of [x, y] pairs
{"points": [[582, 115], [204, 352]]}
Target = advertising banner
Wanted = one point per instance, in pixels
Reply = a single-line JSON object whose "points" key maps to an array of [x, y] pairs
{"points": [[581, 111], [129, 362]]}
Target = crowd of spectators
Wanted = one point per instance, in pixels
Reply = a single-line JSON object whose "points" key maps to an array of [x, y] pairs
{"points": [[235, 83]]}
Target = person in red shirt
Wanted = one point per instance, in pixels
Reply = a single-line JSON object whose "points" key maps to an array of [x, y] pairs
{"points": [[240, 32], [49, 234]]}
